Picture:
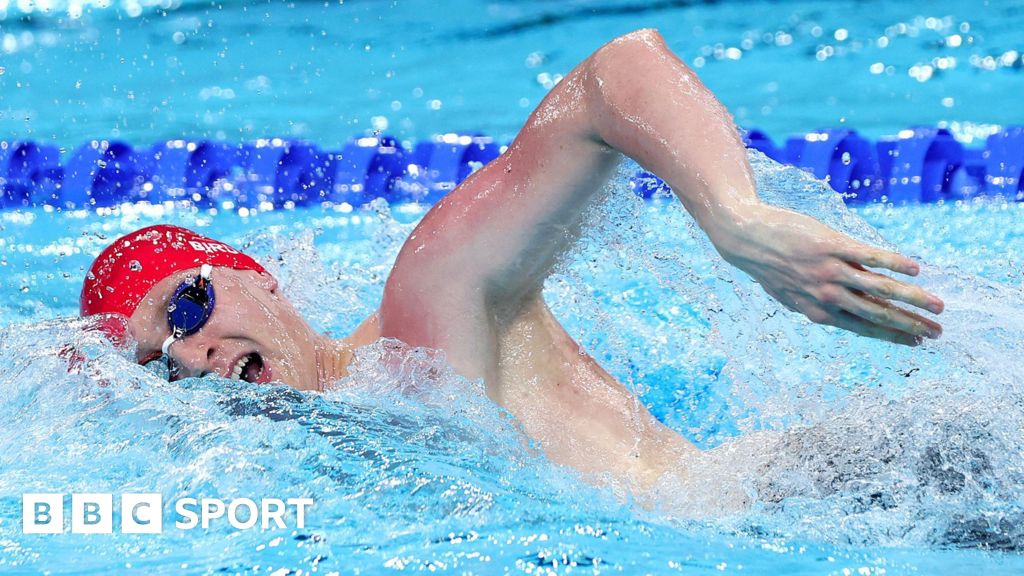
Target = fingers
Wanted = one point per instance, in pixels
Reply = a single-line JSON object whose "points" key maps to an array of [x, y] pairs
{"points": [[877, 258], [887, 288], [858, 325], [877, 319], [888, 316]]}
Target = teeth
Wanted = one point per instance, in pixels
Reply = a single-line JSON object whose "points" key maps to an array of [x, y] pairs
{"points": [[236, 374]]}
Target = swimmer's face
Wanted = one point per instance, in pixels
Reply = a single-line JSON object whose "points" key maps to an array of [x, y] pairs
{"points": [[252, 326]]}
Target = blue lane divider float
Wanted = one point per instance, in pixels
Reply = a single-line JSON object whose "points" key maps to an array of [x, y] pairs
{"points": [[443, 162], [283, 173], [760, 141], [921, 164], [848, 161], [100, 174], [198, 172], [29, 174], [365, 168], [969, 179], [1003, 161]]}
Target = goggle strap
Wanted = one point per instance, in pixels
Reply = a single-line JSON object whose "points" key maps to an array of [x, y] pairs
{"points": [[167, 344]]}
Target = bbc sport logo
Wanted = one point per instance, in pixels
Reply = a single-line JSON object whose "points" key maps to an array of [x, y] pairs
{"points": [[93, 513]]}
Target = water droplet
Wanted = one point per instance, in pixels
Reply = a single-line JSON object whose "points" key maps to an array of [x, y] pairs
{"points": [[24, 289], [135, 266]]}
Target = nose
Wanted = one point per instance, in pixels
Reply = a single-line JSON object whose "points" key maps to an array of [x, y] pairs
{"points": [[193, 354]]}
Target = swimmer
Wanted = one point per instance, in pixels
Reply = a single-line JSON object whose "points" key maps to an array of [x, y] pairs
{"points": [[468, 280]]}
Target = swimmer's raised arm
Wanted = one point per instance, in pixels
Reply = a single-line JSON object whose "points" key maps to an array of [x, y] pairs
{"points": [[487, 247]]}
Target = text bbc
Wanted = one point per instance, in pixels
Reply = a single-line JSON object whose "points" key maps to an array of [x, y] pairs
{"points": [[93, 513]]}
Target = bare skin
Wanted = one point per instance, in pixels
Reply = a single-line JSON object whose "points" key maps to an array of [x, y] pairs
{"points": [[468, 280]]}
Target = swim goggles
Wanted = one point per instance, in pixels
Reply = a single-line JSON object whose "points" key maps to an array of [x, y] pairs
{"points": [[189, 308]]}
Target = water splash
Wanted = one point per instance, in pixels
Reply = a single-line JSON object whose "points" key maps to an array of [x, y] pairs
{"points": [[827, 435], [838, 444]]}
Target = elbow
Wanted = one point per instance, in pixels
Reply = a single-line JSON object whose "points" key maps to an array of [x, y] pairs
{"points": [[643, 37], [625, 75], [636, 62], [630, 52]]}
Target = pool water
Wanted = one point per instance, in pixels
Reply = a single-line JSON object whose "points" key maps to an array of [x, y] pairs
{"points": [[883, 460], [859, 457], [149, 70]]}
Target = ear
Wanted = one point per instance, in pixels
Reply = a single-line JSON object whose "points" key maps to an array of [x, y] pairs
{"points": [[268, 282], [260, 280]]}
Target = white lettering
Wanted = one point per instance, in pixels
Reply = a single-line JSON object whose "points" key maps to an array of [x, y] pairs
{"points": [[253, 515], [300, 510], [212, 508], [191, 518], [277, 514], [210, 247]]}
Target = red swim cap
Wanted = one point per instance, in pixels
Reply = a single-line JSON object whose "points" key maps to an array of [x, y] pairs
{"points": [[125, 271]]}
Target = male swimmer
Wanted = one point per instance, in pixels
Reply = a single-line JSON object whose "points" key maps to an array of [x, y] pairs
{"points": [[468, 280]]}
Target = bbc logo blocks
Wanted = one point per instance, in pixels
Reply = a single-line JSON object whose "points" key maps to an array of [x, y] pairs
{"points": [[92, 513], [42, 513]]}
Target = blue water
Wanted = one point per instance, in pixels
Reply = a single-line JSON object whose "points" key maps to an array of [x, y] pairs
{"points": [[892, 460], [327, 70], [863, 458]]}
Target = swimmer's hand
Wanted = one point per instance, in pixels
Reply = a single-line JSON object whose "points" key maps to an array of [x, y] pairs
{"points": [[823, 274]]}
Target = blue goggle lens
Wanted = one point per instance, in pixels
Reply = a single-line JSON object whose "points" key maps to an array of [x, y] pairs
{"points": [[191, 306]]}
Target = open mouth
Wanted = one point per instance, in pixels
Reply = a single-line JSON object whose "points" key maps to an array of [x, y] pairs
{"points": [[251, 368]]}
